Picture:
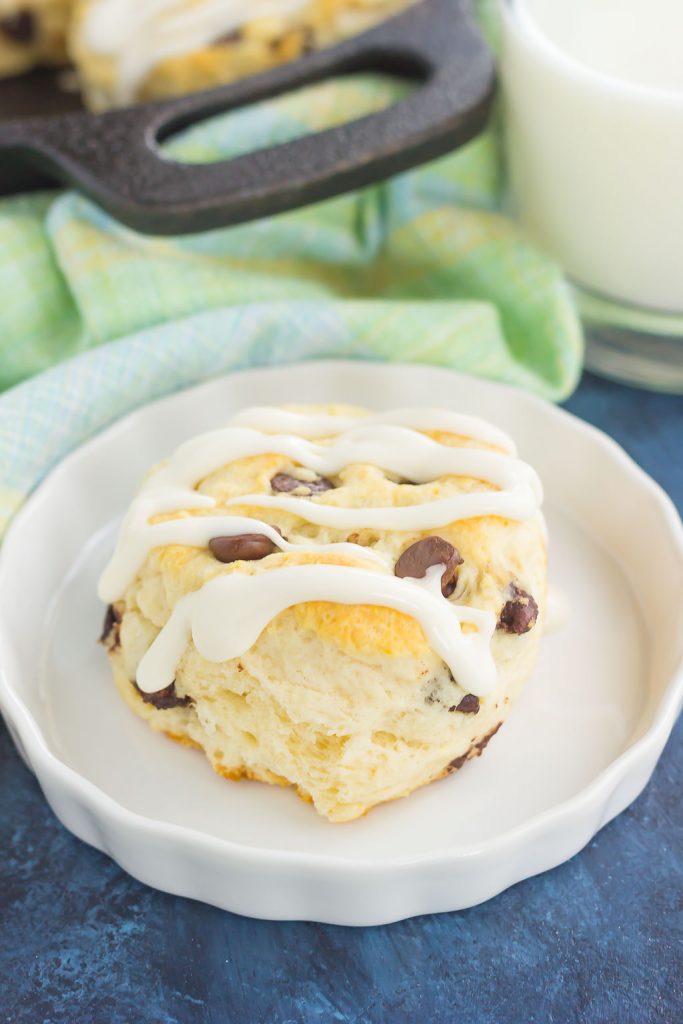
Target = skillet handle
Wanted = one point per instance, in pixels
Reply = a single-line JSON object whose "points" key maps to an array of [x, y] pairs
{"points": [[114, 158]]}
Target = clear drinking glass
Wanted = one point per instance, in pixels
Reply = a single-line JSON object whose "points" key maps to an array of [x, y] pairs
{"points": [[593, 95]]}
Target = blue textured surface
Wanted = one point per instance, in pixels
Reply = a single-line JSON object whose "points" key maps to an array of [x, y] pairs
{"points": [[598, 939]]}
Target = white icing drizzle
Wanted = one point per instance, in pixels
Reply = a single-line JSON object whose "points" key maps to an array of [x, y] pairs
{"points": [[283, 421], [140, 34], [138, 537], [271, 420], [393, 448], [513, 504], [227, 616]]}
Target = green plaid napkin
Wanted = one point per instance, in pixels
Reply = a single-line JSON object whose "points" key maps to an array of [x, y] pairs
{"points": [[72, 279]]}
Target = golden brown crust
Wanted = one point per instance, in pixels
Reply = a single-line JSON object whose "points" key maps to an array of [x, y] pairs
{"points": [[236, 775], [184, 741]]}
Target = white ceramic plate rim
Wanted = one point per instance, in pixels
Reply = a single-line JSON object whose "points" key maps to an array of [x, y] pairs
{"points": [[643, 751]]}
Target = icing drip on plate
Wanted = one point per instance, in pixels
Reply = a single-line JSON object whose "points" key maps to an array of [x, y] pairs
{"points": [[557, 611], [394, 443]]}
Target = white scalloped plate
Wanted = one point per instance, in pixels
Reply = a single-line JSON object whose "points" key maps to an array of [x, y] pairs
{"points": [[578, 748]]}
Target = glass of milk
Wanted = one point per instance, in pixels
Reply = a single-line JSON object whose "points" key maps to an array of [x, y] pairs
{"points": [[593, 93]]}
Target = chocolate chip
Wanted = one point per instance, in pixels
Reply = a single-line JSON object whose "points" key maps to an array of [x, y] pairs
{"points": [[247, 547], [320, 485], [429, 551], [469, 705], [111, 628], [308, 41], [482, 744], [456, 763], [19, 27], [520, 613], [228, 38], [474, 751], [285, 482], [165, 699]]}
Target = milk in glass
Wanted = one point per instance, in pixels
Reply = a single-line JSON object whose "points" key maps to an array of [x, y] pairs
{"points": [[594, 124]]}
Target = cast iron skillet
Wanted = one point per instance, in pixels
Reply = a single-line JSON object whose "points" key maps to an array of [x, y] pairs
{"points": [[115, 159]]}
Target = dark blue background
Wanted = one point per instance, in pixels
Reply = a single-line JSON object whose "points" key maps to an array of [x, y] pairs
{"points": [[598, 939]]}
